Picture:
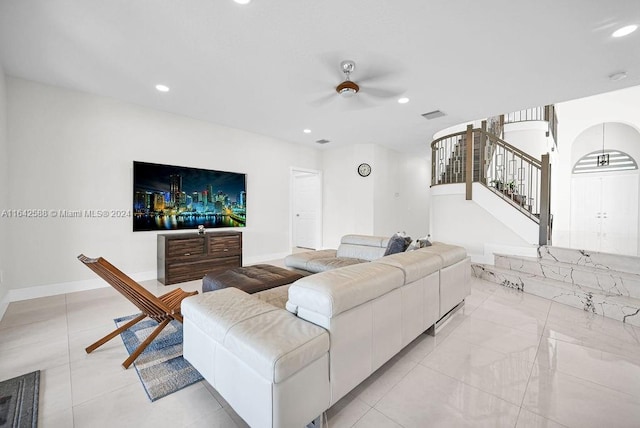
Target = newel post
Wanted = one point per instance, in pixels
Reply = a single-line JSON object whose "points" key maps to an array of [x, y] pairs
{"points": [[545, 201], [469, 162]]}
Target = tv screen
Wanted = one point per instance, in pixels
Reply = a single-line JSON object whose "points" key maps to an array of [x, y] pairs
{"points": [[167, 197]]}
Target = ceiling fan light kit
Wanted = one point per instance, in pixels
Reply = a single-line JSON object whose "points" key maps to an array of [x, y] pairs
{"points": [[347, 88]]}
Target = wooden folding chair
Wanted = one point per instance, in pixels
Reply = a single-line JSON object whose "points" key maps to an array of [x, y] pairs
{"points": [[162, 309]]}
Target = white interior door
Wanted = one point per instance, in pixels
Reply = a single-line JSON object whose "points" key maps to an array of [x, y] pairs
{"points": [[604, 213], [585, 209], [619, 230], [306, 209]]}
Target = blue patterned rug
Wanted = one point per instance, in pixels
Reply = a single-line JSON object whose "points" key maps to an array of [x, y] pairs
{"points": [[161, 367]]}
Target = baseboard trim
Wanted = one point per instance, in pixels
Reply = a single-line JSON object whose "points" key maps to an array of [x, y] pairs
{"points": [[26, 293], [264, 258], [36, 291]]}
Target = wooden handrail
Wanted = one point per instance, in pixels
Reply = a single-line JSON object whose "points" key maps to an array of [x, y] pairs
{"points": [[514, 149]]}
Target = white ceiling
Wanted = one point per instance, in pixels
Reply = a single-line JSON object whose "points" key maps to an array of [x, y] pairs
{"points": [[264, 67]]}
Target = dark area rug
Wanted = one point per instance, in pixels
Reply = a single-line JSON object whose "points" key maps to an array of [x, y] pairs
{"points": [[161, 367], [19, 401]]}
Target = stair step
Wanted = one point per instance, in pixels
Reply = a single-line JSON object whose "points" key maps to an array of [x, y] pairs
{"points": [[617, 262], [607, 281], [621, 308]]}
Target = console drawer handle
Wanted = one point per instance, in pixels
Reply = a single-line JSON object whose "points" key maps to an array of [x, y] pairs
{"points": [[187, 254], [226, 249]]}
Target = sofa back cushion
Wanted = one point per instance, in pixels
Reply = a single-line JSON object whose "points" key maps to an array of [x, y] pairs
{"points": [[362, 247], [333, 292], [414, 264], [450, 254]]}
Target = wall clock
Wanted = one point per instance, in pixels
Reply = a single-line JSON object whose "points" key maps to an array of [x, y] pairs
{"points": [[364, 169]]}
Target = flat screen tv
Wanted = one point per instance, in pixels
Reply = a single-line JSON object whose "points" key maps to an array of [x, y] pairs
{"points": [[167, 197]]}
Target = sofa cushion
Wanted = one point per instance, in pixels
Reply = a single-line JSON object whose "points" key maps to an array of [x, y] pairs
{"points": [[322, 265], [277, 344], [414, 264], [276, 296], [227, 306], [273, 342], [300, 260], [333, 292]]}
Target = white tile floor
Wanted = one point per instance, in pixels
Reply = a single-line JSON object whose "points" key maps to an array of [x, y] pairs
{"points": [[507, 359]]}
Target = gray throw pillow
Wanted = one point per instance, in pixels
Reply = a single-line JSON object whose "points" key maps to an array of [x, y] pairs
{"points": [[397, 244]]}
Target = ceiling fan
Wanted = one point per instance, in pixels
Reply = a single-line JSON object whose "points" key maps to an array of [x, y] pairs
{"points": [[349, 88]]}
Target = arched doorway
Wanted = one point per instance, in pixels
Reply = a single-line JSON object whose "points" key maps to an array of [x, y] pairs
{"points": [[605, 189]]}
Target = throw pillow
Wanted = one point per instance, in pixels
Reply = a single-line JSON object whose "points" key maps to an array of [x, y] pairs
{"points": [[424, 242], [413, 246], [397, 244]]}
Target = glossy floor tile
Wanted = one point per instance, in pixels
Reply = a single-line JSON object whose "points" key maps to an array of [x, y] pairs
{"points": [[505, 359]]}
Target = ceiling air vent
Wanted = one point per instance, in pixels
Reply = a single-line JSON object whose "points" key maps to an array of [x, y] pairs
{"points": [[323, 141], [433, 114]]}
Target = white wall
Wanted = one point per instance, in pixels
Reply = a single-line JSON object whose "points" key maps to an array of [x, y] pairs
{"points": [[395, 197], [401, 194], [4, 191], [72, 150], [575, 117], [455, 220], [530, 137], [347, 198]]}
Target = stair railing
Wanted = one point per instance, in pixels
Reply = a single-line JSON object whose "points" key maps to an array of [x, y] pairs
{"points": [[541, 114], [510, 173], [448, 158], [515, 176]]}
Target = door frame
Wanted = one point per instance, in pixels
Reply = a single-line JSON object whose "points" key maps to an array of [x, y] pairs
{"points": [[319, 218]]}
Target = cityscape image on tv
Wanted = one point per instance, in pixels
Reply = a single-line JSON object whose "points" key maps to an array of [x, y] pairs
{"points": [[169, 197]]}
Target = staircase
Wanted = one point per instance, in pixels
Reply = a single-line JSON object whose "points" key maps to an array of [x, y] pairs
{"points": [[454, 171], [601, 283]]}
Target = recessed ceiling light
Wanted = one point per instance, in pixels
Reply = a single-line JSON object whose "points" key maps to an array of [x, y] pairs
{"points": [[617, 76], [403, 100], [625, 31], [307, 131], [162, 88], [242, 1]]}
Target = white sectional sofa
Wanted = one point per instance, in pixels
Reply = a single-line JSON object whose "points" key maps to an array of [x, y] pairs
{"points": [[283, 367]]}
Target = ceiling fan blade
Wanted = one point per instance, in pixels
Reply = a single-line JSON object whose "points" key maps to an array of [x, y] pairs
{"points": [[356, 102], [372, 76], [381, 93], [323, 100]]}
